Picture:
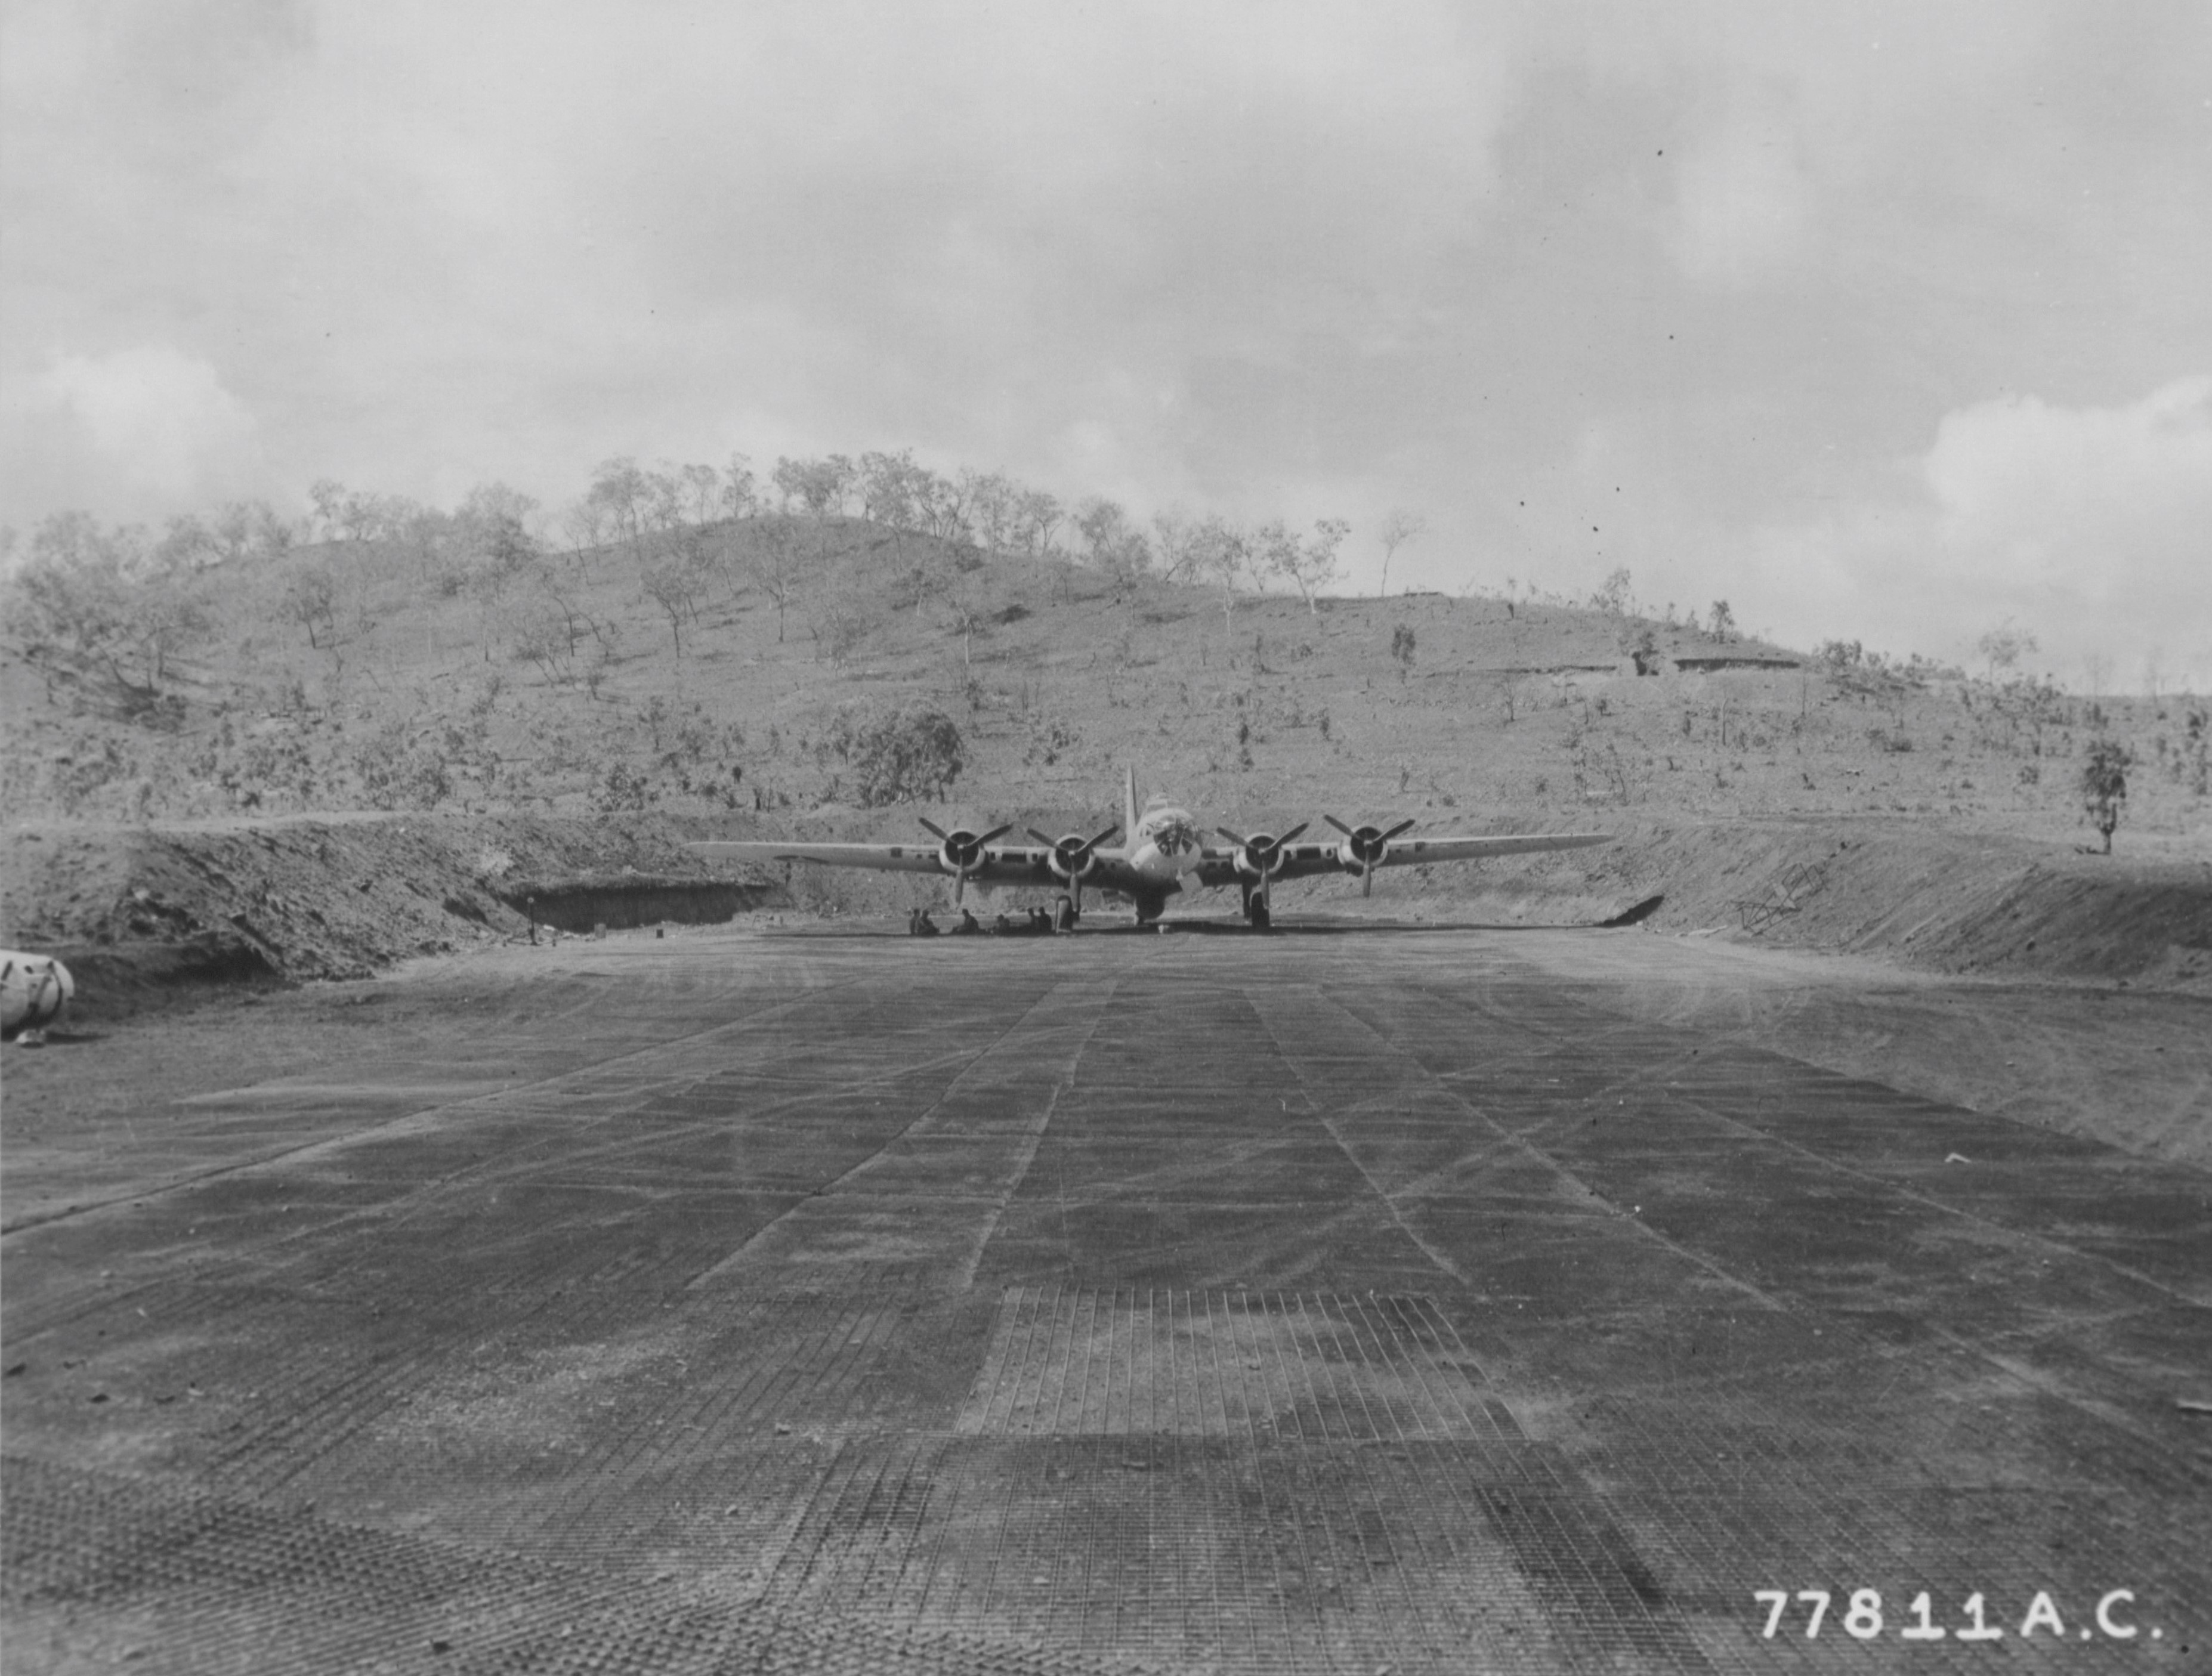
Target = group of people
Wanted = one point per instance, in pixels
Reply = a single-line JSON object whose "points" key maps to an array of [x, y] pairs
{"points": [[1036, 923]]}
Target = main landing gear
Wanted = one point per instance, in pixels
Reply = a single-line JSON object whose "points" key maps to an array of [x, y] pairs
{"points": [[1255, 911]]}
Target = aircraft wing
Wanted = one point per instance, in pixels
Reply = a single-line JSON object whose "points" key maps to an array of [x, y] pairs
{"points": [[1002, 864], [1413, 852], [1218, 863], [1308, 860]]}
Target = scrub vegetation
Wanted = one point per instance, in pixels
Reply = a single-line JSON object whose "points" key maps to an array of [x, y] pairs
{"points": [[699, 640], [845, 645]]}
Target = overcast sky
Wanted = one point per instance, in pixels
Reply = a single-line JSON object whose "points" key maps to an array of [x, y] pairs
{"points": [[1885, 322]]}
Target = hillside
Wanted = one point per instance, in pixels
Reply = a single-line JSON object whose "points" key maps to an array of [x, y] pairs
{"points": [[717, 674], [564, 687]]}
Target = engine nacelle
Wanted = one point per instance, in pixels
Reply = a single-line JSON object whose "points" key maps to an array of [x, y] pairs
{"points": [[1364, 848], [1073, 858], [960, 851], [1261, 856]]}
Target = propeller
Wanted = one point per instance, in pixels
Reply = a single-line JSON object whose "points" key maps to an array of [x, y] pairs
{"points": [[1073, 857], [960, 852], [1366, 846], [1261, 854]]}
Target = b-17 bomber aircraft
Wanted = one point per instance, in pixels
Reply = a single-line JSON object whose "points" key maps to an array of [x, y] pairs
{"points": [[1166, 854]]}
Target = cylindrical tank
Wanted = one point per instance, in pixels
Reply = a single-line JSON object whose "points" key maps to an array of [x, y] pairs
{"points": [[34, 989]]}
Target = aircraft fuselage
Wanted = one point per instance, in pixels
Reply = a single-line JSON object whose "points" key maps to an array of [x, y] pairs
{"points": [[1165, 848]]}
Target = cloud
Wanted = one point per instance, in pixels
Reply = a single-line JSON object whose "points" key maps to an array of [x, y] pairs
{"points": [[2085, 524], [2113, 503], [1290, 257], [143, 429], [1744, 202]]}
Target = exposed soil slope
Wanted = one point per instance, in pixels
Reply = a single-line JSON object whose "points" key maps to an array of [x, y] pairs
{"points": [[1945, 900], [345, 897], [133, 908]]}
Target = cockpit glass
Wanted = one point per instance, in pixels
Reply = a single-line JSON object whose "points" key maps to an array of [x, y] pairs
{"points": [[1173, 836]]}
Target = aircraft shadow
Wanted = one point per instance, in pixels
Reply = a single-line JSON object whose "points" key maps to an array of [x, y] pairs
{"points": [[1237, 927]]}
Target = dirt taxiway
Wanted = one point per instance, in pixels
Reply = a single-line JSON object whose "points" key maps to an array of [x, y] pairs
{"points": [[1439, 1300]]}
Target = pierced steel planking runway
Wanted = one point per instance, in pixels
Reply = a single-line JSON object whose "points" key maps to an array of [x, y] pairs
{"points": [[1179, 1302]]}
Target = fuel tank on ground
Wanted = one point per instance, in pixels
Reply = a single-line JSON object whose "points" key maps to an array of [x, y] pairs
{"points": [[34, 989]]}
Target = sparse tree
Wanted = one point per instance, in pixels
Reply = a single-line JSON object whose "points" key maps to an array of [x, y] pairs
{"points": [[1614, 594], [1399, 526], [566, 601], [1111, 543], [674, 586], [1222, 555], [943, 502], [777, 563], [242, 529], [375, 517], [492, 533], [664, 499], [310, 600], [966, 604], [1309, 563], [232, 528], [186, 543], [893, 490], [2104, 786], [839, 620], [428, 536], [1039, 515], [1101, 523], [90, 598], [328, 497], [740, 491], [585, 524], [700, 492], [1723, 622], [541, 634], [818, 486], [993, 502], [621, 490], [2004, 646], [1175, 541]]}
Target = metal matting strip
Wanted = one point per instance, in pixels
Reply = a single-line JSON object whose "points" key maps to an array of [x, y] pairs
{"points": [[1320, 1367]]}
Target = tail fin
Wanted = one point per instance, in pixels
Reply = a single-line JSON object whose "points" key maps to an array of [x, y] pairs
{"points": [[1129, 805]]}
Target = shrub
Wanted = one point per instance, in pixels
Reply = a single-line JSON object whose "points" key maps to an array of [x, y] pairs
{"points": [[2104, 786], [396, 773], [625, 790], [900, 757]]}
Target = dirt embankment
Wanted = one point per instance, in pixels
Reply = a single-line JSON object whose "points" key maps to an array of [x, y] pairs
{"points": [[148, 907], [138, 908], [1944, 900]]}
